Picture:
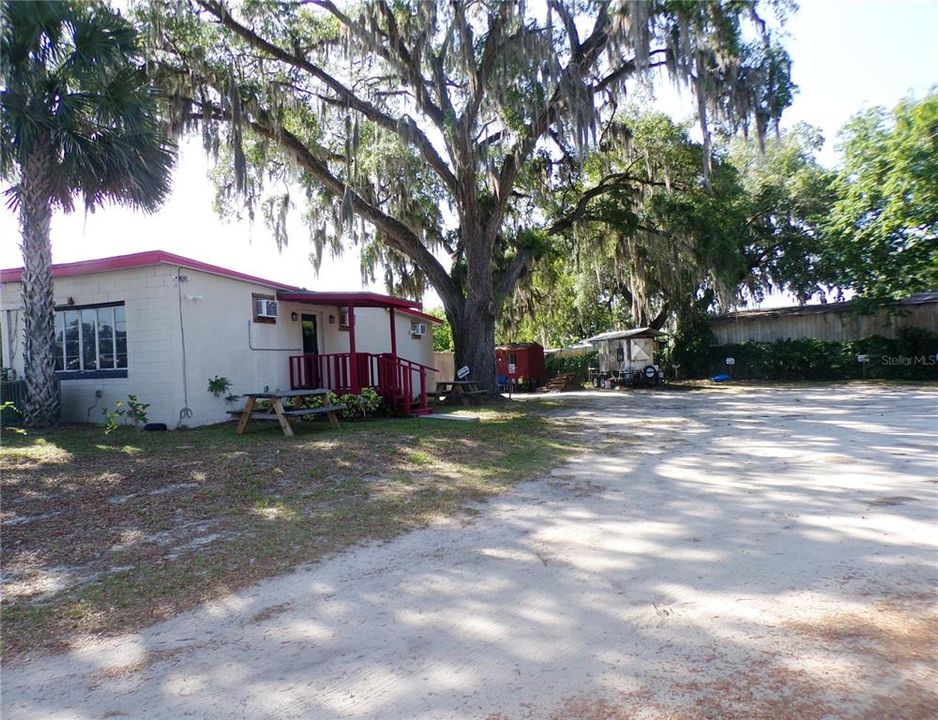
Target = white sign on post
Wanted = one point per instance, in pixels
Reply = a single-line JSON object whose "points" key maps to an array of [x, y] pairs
{"points": [[730, 361], [511, 369], [463, 372]]}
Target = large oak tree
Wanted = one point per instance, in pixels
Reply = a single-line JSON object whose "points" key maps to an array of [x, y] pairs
{"points": [[429, 131]]}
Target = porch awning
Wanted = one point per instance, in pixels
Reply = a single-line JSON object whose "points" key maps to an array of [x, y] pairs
{"points": [[344, 299]]}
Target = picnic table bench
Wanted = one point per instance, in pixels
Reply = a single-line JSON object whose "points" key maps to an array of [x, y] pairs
{"points": [[280, 413], [460, 389]]}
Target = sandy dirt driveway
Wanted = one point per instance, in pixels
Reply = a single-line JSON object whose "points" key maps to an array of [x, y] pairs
{"points": [[729, 553]]}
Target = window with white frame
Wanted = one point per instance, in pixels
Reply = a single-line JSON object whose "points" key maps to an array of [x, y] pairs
{"points": [[90, 339]]}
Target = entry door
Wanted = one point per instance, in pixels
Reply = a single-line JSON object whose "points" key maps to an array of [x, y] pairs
{"points": [[310, 335]]}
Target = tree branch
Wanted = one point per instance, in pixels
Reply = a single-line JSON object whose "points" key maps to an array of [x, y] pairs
{"points": [[614, 181], [409, 63], [509, 277], [587, 53], [396, 234], [407, 131]]}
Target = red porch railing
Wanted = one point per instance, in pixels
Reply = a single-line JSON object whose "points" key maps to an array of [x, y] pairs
{"points": [[402, 383]]}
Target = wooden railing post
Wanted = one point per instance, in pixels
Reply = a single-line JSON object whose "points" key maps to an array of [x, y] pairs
{"points": [[423, 387], [353, 360]]}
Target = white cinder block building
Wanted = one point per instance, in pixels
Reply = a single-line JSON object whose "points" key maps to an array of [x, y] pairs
{"points": [[159, 326]]}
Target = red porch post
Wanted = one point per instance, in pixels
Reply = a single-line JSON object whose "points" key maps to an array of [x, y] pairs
{"points": [[353, 356], [393, 332]]}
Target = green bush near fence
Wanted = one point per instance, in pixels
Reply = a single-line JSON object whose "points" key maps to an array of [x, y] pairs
{"points": [[579, 365], [12, 402], [913, 355]]}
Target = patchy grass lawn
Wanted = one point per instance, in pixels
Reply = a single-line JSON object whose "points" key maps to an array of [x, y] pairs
{"points": [[103, 534]]}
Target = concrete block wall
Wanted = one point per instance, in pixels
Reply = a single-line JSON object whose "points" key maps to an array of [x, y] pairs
{"points": [[149, 297], [186, 326]]}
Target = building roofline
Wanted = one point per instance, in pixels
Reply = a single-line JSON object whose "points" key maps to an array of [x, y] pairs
{"points": [[143, 259], [817, 308], [362, 298], [423, 316], [518, 346], [642, 332], [285, 292]]}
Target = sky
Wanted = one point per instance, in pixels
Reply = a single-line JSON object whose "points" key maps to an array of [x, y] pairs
{"points": [[847, 55]]}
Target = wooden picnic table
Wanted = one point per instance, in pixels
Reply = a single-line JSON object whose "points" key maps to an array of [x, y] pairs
{"points": [[280, 413], [460, 389]]}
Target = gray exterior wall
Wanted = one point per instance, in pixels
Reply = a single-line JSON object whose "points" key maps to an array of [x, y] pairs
{"points": [[836, 322]]}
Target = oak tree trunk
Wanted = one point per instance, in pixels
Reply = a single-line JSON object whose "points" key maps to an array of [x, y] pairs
{"points": [[472, 313], [474, 341], [42, 398]]}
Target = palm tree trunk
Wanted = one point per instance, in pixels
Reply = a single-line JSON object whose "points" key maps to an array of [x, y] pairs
{"points": [[42, 402]]}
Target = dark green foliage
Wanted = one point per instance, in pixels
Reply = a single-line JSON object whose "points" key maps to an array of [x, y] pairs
{"points": [[787, 199], [913, 355], [442, 334], [10, 414], [219, 386], [659, 233], [883, 230], [689, 350], [577, 364], [362, 406], [367, 403], [74, 89]]}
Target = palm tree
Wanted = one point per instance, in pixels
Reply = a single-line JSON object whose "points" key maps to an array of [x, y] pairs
{"points": [[78, 120]]}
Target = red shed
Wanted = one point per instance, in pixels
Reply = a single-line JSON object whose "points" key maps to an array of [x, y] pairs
{"points": [[528, 359]]}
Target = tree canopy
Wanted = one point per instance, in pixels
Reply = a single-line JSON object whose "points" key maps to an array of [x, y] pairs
{"points": [[883, 229], [666, 240], [426, 131]]}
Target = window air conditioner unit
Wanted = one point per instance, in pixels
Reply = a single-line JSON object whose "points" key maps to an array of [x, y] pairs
{"points": [[418, 329], [266, 308]]}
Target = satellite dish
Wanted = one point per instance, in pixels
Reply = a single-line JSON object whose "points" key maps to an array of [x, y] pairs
{"points": [[463, 372]]}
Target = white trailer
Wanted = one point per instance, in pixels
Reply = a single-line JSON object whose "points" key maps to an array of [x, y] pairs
{"points": [[626, 357]]}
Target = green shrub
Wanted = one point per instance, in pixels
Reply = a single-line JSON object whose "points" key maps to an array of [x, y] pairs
{"points": [[219, 386], [135, 412], [366, 403], [9, 410], [689, 349], [912, 355], [112, 417], [579, 365]]}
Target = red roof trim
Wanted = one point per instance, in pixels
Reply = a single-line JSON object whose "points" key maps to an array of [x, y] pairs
{"points": [[339, 299], [423, 316], [285, 292], [143, 259]]}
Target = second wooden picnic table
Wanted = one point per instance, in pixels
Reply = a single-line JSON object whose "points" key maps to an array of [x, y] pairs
{"points": [[280, 413], [461, 389]]}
